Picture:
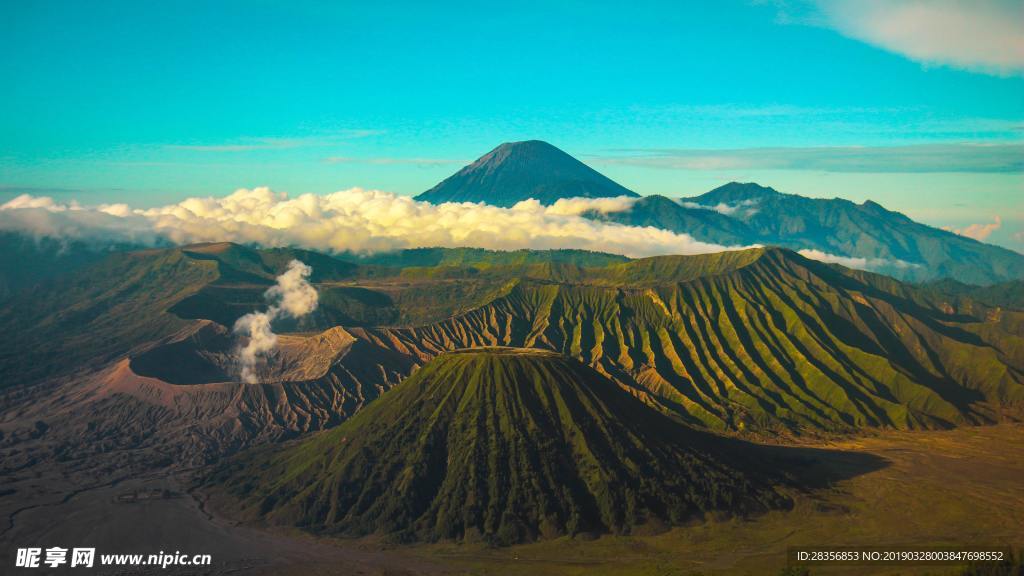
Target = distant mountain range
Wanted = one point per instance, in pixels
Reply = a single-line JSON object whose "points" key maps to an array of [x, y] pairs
{"points": [[839, 230], [739, 214], [865, 236]]}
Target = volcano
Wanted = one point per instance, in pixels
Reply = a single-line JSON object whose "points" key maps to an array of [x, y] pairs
{"points": [[504, 445], [517, 171]]}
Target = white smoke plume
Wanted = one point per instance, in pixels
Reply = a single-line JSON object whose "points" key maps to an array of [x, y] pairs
{"points": [[291, 297], [355, 220]]}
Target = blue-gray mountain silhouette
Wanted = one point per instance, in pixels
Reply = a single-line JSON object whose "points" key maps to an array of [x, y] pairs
{"points": [[517, 171]]}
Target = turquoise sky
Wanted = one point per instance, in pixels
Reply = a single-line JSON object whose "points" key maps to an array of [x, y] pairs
{"points": [[146, 103]]}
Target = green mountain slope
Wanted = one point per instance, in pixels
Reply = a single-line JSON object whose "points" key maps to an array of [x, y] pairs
{"points": [[506, 445], [480, 257], [28, 261], [1005, 294], [82, 315], [774, 341], [761, 340], [85, 319]]}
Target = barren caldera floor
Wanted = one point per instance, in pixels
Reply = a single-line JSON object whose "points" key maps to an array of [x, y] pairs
{"points": [[960, 486], [949, 487]]}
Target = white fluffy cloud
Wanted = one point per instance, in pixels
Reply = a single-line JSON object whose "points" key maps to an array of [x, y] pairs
{"points": [[873, 264], [742, 208], [979, 232], [577, 206], [979, 35], [350, 220]]}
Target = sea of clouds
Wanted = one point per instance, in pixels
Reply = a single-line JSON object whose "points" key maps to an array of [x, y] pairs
{"points": [[354, 220], [370, 221]]}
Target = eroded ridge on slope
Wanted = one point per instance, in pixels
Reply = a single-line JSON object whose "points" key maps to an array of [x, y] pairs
{"points": [[507, 445]]}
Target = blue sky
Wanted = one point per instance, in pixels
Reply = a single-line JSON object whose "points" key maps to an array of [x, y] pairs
{"points": [[146, 103]]}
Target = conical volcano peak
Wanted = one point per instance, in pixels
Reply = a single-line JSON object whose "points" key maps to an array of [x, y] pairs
{"points": [[517, 171], [525, 147], [527, 154], [506, 445]]}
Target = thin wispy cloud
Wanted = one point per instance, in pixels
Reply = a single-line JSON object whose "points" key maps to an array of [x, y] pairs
{"points": [[17, 190], [388, 160], [731, 110], [277, 143], [712, 136], [981, 35], [247, 145], [1001, 157], [878, 122]]}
